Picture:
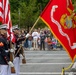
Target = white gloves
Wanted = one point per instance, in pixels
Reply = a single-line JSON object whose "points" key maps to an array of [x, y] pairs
{"points": [[27, 35], [10, 64], [21, 56], [11, 50]]}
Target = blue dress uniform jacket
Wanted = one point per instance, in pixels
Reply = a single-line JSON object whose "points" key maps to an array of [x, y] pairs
{"points": [[3, 51], [18, 42]]}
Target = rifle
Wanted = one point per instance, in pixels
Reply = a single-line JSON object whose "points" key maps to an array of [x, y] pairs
{"points": [[11, 58], [21, 51], [23, 60]]}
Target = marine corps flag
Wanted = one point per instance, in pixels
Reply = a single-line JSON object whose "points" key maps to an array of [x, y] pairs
{"points": [[60, 17]]}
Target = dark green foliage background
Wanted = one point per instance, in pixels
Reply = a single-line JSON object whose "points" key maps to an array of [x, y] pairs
{"points": [[25, 12]]}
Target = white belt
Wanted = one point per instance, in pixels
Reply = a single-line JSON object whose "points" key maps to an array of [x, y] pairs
{"points": [[6, 51], [18, 45]]}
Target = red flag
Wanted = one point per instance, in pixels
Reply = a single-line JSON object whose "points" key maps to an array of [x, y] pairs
{"points": [[58, 15], [5, 18]]}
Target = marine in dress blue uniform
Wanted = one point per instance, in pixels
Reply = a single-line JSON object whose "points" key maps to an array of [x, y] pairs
{"points": [[18, 42], [5, 62]]}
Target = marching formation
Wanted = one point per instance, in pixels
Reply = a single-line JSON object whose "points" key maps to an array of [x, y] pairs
{"points": [[61, 19], [11, 53]]}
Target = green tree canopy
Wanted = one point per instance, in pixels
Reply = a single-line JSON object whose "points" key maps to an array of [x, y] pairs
{"points": [[25, 12]]}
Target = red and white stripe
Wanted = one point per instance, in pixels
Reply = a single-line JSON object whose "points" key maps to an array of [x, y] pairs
{"points": [[1, 11], [5, 18]]}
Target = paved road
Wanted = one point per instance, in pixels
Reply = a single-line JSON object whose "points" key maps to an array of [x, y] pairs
{"points": [[45, 62]]}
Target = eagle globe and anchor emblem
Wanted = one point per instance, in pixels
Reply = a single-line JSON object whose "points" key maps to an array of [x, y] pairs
{"points": [[66, 22]]}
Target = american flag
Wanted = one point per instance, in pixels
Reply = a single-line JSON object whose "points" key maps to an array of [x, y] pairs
{"points": [[5, 18]]}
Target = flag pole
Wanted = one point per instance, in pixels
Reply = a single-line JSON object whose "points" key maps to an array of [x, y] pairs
{"points": [[24, 61], [11, 56], [34, 24], [11, 53], [6, 19], [64, 69], [29, 32]]}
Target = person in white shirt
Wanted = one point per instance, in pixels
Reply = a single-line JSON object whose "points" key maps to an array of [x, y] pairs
{"points": [[35, 36]]}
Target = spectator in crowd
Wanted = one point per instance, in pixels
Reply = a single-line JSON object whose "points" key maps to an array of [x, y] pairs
{"points": [[22, 33], [30, 42], [35, 36], [54, 43], [39, 38], [49, 42], [46, 44], [26, 41], [42, 40]]}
